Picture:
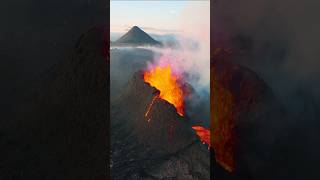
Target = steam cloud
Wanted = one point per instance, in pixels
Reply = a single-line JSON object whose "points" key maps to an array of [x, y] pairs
{"points": [[280, 41], [191, 59]]}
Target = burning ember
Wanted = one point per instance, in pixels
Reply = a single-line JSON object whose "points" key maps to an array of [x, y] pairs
{"points": [[167, 83], [203, 133]]}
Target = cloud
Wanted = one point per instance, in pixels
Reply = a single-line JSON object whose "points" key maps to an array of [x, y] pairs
{"points": [[160, 30]]}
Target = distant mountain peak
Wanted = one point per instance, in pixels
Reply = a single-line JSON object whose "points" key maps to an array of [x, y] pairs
{"points": [[136, 27], [136, 36]]}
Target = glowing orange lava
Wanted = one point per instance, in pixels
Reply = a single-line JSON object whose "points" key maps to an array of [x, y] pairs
{"points": [[203, 133], [167, 83], [150, 106]]}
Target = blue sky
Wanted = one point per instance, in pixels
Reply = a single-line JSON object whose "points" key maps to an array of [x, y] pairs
{"points": [[153, 16]]}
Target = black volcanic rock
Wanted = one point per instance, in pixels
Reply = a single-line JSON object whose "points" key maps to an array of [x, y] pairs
{"points": [[136, 37], [163, 118], [160, 145]]}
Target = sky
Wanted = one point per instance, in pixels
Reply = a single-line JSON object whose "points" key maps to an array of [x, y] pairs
{"points": [[161, 17]]}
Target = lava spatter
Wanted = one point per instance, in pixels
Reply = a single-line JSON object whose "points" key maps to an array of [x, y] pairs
{"points": [[204, 134]]}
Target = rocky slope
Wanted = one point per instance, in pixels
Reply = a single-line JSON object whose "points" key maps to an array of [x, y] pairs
{"points": [[149, 140]]}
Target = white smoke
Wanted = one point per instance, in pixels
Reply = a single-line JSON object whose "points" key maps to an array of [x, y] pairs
{"points": [[192, 57]]}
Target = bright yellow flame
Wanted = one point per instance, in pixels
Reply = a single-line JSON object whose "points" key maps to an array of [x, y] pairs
{"points": [[162, 79]]}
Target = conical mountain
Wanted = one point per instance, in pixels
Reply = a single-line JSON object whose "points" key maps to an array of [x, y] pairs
{"points": [[135, 36]]}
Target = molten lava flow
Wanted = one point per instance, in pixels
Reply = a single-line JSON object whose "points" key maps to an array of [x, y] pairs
{"points": [[203, 133], [223, 122], [170, 90], [150, 106]]}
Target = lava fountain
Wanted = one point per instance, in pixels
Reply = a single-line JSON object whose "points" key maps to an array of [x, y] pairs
{"points": [[167, 83], [170, 89]]}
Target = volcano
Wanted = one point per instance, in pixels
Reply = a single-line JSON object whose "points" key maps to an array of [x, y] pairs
{"points": [[136, 37], [150, 139], [247, 120]]}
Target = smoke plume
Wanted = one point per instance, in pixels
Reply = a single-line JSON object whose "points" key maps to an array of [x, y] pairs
{"points": [[279, 40], [191, 59]]}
